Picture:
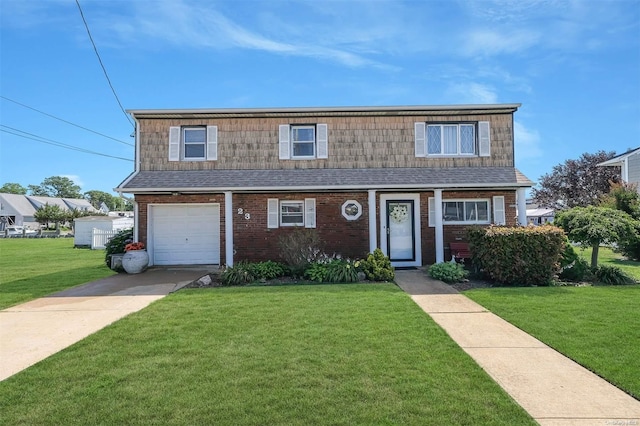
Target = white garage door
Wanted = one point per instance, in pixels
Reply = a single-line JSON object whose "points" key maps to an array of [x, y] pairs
{"points": [[186, 234]]}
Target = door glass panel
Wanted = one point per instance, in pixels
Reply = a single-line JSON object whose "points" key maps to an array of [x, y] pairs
{"points": [[400, 224]]}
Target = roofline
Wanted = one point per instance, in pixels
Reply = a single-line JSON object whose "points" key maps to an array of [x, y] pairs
{"points": [[619, 159], [343, 109], [324, 188]]}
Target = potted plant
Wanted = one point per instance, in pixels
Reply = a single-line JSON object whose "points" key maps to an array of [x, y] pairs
{"points": [[135, 259]]}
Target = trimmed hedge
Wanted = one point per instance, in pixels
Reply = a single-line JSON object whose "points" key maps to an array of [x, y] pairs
{"points": [[518, 255]]}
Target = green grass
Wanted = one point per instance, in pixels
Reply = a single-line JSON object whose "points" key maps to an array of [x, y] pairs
{"points": [[606, 256], [599, 327], [35, 267], [286, 355]]}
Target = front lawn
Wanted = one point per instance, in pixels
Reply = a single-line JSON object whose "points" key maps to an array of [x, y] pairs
{"points": [[35, 267], [286, 355], [606, 256], [599, 327]]}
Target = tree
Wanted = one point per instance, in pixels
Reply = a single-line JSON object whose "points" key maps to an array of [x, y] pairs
{"points": [[49, 213], [96, 198], [625, 197], [576, 183], [594, 226], [56, 186], [13, 188]]}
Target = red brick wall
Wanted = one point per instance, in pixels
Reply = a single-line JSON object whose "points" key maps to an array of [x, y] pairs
{"points": [[253, 241]]}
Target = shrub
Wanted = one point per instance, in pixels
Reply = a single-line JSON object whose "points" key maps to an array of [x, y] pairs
{"points": [[448, 272], [317, 272], [518, 255], [267, 270], [299, 248], [239, 274], [573, 267], [342, 271], [377, 267], [117, 243], [612, 275]]}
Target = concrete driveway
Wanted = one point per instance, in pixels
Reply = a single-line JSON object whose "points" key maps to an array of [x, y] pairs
{"points": [[32, 331]]}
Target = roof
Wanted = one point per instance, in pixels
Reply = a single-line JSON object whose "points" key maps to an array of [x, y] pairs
{"points": [[619, 159], [26, 205], [324, 179], [540, 212], [19, 203], [325, 111]]}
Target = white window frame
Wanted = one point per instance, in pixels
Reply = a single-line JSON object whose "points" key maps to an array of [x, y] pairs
{"points": [[459, 222], [294, 142], [177, 149], [183, 146], [458, 127], [281, 213]]}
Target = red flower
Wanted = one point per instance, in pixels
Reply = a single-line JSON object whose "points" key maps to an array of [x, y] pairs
{"points": [[134, 246]]}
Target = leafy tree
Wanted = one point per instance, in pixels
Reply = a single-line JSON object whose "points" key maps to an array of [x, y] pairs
{"points": [[56, 186], [96, 198], [50, 213], [576, 183], [594, 226], [625, 197], [13, 188]]}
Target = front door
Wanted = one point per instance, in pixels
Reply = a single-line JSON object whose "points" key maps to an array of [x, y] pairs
{"points": [[400, 231]]}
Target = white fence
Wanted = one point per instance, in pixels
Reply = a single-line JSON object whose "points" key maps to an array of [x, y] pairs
{"points": [[100, 237]]}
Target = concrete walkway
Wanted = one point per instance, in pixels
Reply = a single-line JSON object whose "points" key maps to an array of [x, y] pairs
{"points": [[35, 330], [553, 389]]}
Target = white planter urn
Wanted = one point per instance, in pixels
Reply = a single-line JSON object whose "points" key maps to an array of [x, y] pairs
{"points": [[135, 261]]}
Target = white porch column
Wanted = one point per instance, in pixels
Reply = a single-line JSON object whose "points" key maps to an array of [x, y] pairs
{"points": [[521, 198], [228, 228], [373, 230], [437, 195]]}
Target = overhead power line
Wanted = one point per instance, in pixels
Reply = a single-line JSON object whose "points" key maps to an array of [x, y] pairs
{"points": [[27, 135], [95, 49], [65, 121]]}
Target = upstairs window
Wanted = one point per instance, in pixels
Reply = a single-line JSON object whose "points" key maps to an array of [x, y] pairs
{"points": [[193, 143], [452, 139], [302, 141]]}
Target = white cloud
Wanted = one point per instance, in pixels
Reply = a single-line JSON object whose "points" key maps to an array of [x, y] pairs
{"points": [[527, 142], [471, 93], [494, 42]]}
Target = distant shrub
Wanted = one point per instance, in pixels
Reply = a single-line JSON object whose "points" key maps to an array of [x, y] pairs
{"points": [[448, 272], [573, 267], [611, 275], [377, 267], [342, 271], [317, 272], [267, 270], [299, 247]]}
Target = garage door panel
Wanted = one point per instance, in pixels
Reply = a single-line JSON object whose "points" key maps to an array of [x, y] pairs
{"points": [[186, 235]]}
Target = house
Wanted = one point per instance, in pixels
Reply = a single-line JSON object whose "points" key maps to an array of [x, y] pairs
{"points": [[84, 226], [18, 209], [216, 186], [629, 164], [540, 216]]}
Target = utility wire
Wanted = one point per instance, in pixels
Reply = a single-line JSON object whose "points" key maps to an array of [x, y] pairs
{"points": [[27, 135], [102, 65], [65, 121]]}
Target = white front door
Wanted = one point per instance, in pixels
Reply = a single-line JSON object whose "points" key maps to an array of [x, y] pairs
{"points": [[400, 233], [400, 242]]}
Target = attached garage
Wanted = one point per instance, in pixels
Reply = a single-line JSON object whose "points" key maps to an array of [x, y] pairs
{"points": [[184, 234]]}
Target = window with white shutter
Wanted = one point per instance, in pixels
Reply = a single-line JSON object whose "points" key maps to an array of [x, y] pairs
{"points": [[499, 215], [467, 211], [291, 213], [303, 141], [273, 214], [193, 143], [452, 139]]}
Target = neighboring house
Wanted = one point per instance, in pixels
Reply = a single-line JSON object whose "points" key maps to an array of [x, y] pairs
{"points": [[84, 226], [540, 216], [20, 209], [629, 164], [214, 186]]}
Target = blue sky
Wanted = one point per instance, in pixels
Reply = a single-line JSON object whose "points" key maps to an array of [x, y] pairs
{"points": [[574, 66]]}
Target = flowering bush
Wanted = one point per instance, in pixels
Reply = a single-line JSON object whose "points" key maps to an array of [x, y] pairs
{"points": [[134, 246]]}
